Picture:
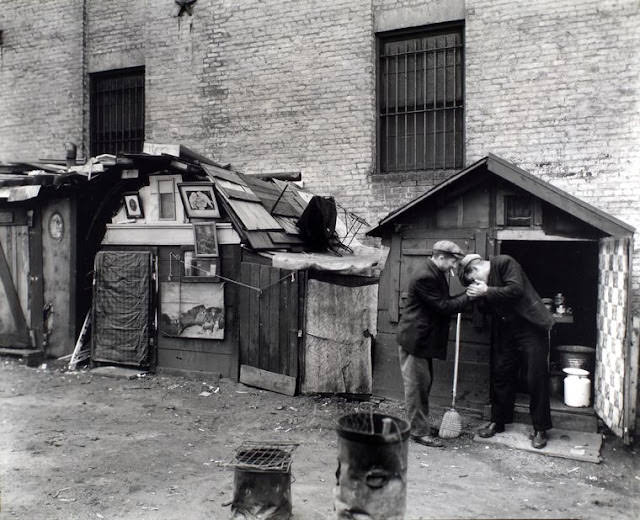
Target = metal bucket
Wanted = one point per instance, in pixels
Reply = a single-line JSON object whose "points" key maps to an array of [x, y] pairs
{"points": [[575, 356], [372, 467]]}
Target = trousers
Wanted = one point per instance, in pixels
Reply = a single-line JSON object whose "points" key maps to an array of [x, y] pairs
{"points": [[417, 376], [519, 342]]}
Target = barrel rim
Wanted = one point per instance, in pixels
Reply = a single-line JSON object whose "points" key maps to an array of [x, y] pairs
{"points": [[373, 438]]}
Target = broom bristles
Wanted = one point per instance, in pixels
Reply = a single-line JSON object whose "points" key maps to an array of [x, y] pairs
{"points": [[451, 426]]}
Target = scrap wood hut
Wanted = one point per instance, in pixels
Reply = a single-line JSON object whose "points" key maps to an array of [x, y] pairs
{"points": [[39, 258], [197, 269], [564, 245]]}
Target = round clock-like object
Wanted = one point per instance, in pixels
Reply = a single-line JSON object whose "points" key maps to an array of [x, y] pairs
{"points": [[56, 226]]}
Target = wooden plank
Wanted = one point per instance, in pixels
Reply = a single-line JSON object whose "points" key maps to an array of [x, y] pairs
{"points": [[284, 325], [264, 280], [288, 224], [387, 380], [259, 378], [272, 297], [480, 239], [538, 235], [254, 317], [244, 314], [260, 240], [33, 266], [297, 312], [393, 288], [278, 237], [254, 216], [208, 364]]}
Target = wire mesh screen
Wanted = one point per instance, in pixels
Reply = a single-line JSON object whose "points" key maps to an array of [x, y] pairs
{"points": [[263, 456], [121, 307]]}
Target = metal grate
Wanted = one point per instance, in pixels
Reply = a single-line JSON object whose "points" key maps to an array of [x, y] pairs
{"points": [[421, 105], [263, 456], [117, 111]]}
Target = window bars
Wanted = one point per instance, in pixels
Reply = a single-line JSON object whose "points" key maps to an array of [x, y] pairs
{"points": [[117, 111], [421, 101]]}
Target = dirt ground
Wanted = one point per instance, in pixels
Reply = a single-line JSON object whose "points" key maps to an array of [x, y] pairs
{"points": [[74, 445]]}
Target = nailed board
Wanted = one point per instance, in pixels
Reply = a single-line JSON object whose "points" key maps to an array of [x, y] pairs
{"points": [[259, 378]]}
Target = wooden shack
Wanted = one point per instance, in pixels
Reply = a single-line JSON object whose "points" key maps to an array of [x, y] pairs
{"points": [[564, 245], [38, 261], [282, 317]]}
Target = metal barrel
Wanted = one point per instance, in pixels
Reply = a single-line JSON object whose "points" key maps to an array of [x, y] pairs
{"points": [[372, 467]]}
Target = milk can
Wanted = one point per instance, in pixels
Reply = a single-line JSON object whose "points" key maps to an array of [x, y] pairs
{"points": [[577, 387]]}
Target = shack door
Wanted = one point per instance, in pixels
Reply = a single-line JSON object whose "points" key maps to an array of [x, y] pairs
{"points": [[270, 326], [20, 281], [615, 388], [122, 303], [473, 372]]}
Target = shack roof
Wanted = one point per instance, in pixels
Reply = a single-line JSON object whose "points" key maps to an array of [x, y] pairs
{"points": [[507, 171]]}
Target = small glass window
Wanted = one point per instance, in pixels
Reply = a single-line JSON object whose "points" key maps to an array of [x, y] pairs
{"points": [[518, 210], [167, 205], [194, 266]]}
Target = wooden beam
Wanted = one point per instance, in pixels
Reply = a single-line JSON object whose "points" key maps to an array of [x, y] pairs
{"points": [[536, 234], [259, 378]]}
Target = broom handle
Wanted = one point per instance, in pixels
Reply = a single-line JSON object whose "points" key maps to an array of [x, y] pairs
{"points": [[455, 365]]}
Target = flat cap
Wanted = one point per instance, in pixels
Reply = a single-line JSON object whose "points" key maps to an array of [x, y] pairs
{"points": [[464, 263], [446, 246]]}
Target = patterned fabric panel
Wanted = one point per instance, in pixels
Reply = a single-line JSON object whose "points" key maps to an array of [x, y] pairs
{"points": [[612, 315]]}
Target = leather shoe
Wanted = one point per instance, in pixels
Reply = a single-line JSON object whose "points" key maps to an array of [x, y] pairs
{"points": [[428, 440], [539, 439], [490, 430]]}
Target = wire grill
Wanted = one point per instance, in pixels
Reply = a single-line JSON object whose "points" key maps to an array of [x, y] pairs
{"points": [[263, 456]]}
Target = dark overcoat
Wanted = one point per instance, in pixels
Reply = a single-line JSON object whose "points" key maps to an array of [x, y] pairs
{"points": [[510, 292], [424, 326]]}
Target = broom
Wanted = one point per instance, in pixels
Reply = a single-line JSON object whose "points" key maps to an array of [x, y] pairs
{"points": [[451, 426]]}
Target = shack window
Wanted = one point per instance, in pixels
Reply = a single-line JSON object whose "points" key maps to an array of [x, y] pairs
{"points": [[117, 111], [518, 210], [421, 100], [167, 200]]}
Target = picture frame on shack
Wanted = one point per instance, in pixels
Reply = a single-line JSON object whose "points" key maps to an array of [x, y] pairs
{"points": [[198, 199], [132, 205], [205, 240]]}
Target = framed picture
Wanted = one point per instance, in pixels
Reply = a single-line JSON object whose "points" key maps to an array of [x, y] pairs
{"points": [[192, 310], [205, 240], [199, 269], [132, 205], [198, 199]]}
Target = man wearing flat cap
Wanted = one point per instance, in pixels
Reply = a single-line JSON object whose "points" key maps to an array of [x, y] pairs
{"points": [[521, 325], [423, 333]]}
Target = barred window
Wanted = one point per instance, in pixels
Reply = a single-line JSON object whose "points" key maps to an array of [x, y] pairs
{"points": [[117, 111], [421, 104]]}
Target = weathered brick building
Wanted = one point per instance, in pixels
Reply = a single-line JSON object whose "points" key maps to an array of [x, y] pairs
{"points": [[340, 90], [291, 86]]}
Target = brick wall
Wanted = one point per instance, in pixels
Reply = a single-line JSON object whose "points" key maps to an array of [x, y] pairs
{"points": [[554, 86], [291, 88], [41, 93]]}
